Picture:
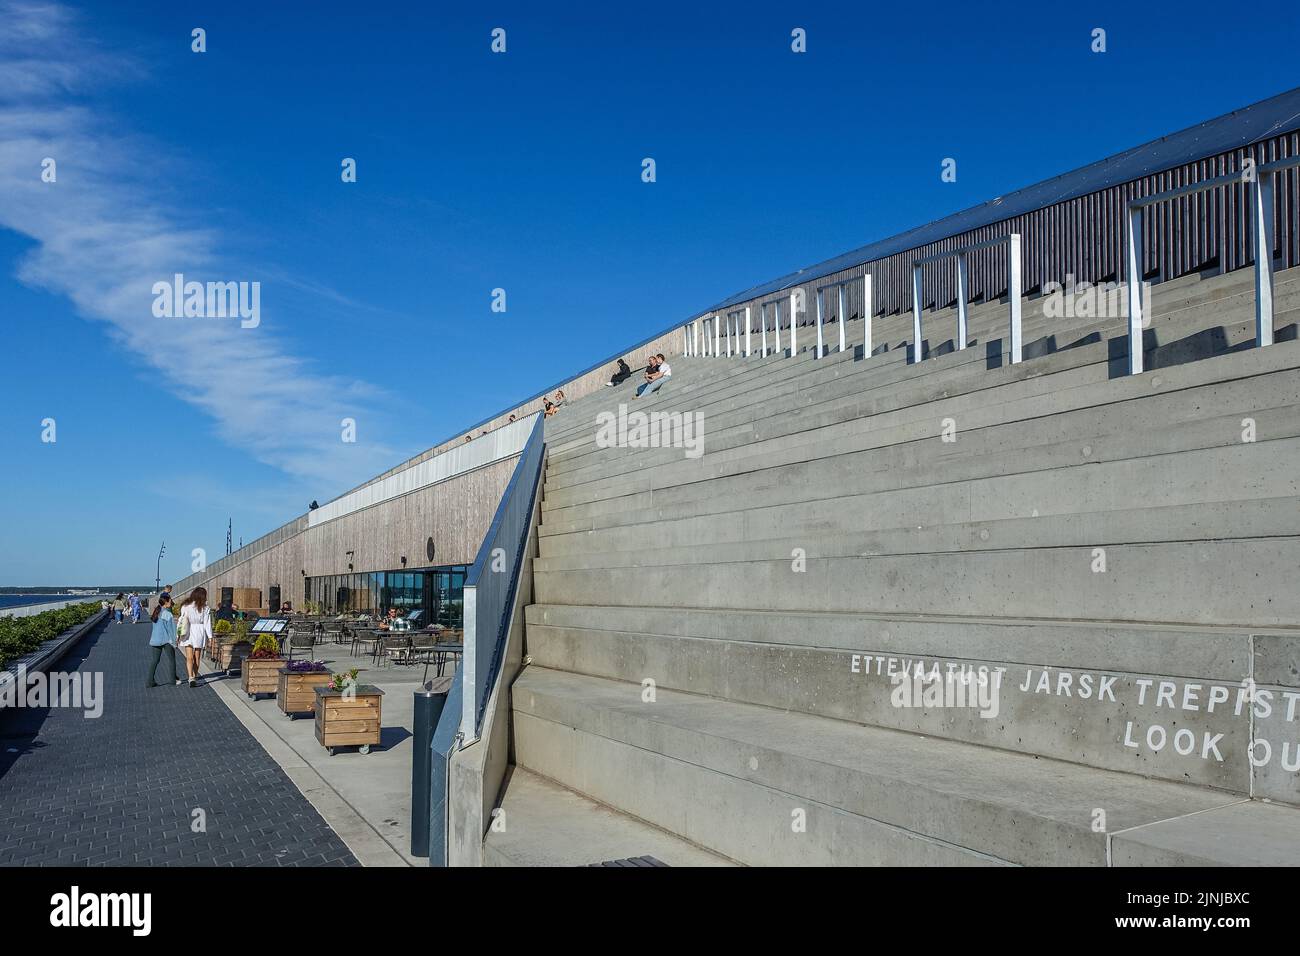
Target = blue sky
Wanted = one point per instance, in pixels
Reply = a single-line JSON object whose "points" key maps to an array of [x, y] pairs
{"points": [[474, 171]]}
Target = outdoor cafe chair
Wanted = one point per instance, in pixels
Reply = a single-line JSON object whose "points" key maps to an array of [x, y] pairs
{"points": [[363, 637], [301, 640], [393, 648]]}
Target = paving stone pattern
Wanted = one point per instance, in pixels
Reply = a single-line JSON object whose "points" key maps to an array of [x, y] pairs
{"points": [[121, 789]]}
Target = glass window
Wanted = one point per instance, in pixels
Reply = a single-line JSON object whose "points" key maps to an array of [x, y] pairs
{"points": [[438, 593]]}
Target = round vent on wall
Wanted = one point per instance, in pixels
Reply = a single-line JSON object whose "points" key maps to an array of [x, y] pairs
{"points": [[428, 549]]}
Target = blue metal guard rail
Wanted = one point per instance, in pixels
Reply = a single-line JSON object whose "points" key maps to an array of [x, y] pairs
{"points": [[491, 583], [490, 588]]}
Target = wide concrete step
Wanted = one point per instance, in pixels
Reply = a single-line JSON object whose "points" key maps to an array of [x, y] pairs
{"points": [[1019, 393], [1241, 834], [799, 384], [1107, 685], [769, 787], [699, 382], [1247, 582], [1189, 328], [702, 442], [541, 823], [1234, 520], [1090, 423], [1090, 501], [785, 493]]}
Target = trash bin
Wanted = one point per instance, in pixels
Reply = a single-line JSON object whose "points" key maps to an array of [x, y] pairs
{"points": [[429, 701]]}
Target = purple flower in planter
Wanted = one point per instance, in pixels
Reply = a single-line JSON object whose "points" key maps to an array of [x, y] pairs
{"points": [[305, 667]]}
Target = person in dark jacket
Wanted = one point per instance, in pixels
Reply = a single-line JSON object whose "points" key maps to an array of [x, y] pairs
{"points": [[621, 375]]}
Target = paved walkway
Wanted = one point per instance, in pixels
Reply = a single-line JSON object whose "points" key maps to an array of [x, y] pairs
{"points": [[122, 789]]}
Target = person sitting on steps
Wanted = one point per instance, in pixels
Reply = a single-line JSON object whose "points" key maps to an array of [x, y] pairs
{"points": [[654, 380], [621, 375]]}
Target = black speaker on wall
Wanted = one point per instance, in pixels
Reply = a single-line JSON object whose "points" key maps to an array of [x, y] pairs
{"points": [[227, 596], [273, 605]]}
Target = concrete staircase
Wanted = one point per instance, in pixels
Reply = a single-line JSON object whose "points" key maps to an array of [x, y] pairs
{"points": [[715, 640]]}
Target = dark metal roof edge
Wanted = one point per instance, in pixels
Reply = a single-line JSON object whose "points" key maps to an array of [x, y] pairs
{"points": [[1005, 205]]}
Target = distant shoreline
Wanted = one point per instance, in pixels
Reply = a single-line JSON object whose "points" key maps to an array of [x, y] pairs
{"points": [[23, 600]]}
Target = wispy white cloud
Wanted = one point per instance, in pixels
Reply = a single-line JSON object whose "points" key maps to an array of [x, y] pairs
{"points": [[104, 235]]}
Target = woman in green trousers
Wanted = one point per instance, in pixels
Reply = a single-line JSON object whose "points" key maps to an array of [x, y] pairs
{"points": [[161, 641]]}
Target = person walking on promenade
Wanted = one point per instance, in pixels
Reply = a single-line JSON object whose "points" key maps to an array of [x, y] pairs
{"points": [[119, 606], [133, 602], [195, 629], [161, 641]]}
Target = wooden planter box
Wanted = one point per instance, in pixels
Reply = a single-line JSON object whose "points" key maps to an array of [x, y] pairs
{"points": [[225, 653], [348, 721], [261, 676], [296, 691]]}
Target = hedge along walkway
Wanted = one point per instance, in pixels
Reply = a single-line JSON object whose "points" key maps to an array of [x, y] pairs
{"points": [[122, 789]]}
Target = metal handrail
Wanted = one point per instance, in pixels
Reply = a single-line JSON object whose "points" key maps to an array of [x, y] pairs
{"points": [[1012, 241], [489, 597], [841, 286], [1261, 224], [492, 580]]}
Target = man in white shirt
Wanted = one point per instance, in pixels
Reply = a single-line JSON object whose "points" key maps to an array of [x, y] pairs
{"points": [[655, 380]]}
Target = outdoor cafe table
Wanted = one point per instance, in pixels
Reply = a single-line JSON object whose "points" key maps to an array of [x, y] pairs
{"points": [[378, 633], [441, 650]]}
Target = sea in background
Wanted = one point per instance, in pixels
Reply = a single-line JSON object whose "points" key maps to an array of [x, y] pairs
{"points": [[20, 600]]}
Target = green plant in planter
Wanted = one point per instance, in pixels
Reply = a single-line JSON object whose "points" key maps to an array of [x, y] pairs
{"points": [[222, 628], [266, 646], [343, 679], [241, 631]]}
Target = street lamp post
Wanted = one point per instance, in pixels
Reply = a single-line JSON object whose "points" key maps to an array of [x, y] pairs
{"points": [[157, 580]]}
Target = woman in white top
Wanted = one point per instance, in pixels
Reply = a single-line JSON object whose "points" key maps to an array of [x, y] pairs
{"points": [[195, 629]]}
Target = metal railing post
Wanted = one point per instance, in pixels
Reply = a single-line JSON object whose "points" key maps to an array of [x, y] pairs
{"points": [[1133, 265], [916, 313], [747, 325], [1262, 216], [1013, 293], [717, 336], [963, 290], [762, 321], [867, 309], [469, 663], [794, 321], [821, 297], [843, 311]]}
